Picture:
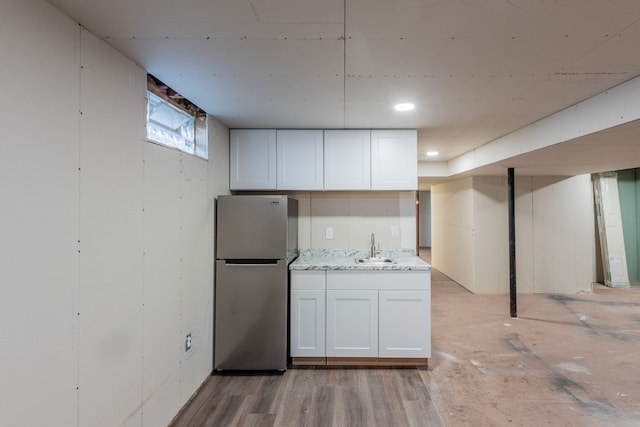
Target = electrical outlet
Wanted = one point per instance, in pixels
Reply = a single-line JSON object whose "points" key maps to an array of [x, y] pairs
{"points": [[187, 342], [328, 233]]}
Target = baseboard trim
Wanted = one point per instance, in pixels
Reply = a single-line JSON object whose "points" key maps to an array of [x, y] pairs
{"points": [[360, 361]]}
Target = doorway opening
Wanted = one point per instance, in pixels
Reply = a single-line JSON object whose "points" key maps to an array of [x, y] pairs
{"points": [[424, 225]]}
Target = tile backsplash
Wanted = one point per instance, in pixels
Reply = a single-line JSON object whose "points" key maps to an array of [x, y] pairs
{"points": [[345, 220]]}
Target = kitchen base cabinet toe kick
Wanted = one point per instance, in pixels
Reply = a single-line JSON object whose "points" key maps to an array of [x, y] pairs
{"points": [[360, 318], [379, 362]]}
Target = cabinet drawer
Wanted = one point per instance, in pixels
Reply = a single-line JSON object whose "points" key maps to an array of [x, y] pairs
{"points": [[415, 280], [308, 280]]}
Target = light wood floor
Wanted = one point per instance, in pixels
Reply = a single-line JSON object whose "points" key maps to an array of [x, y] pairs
{"points": [[313, 397]]}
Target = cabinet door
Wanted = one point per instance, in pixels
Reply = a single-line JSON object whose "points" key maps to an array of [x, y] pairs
{"points": [[307, 323], [252, 159], [405, 324], [347, 159], [307, 320], [300, 160], [394, 159], [352, 323]]}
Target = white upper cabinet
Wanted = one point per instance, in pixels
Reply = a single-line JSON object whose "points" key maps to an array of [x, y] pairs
{"points": [[299, 160], [252, 159], [347, 160], [394, 159], [315, 160]]}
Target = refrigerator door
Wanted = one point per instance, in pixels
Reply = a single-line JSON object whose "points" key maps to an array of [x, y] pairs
{"points": [[251, 316], [252, 227]]}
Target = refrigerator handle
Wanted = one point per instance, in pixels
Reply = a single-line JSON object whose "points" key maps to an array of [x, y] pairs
{"points": [[252, 263]]}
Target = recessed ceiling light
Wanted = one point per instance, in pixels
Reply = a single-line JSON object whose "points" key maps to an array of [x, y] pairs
{"points": [[432, 153], [405, 106]]}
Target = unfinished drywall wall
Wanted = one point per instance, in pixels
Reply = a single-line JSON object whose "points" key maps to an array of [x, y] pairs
{"points": [[555, 236], [490, 235], [111, 335], [452, 230], [563, 234], [107, 240], [39, 231]]}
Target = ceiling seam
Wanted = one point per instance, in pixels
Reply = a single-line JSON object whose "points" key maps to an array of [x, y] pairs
{"points": [[344, 64]]}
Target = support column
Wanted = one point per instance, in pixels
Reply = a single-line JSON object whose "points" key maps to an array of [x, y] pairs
{"points": [[512, 244]]}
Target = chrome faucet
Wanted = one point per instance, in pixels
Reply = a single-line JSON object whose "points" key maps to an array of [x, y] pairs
{"points": [[373, 246], [374, 252]]}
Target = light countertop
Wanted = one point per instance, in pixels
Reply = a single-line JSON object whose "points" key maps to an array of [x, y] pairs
{"points": [[337, 259]]}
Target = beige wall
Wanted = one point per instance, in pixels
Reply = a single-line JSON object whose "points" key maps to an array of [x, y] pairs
{"points": [[563, 234], [353, 216], [39, 260], [491, 238], [452, 230], [555, 236], [106, 243]]}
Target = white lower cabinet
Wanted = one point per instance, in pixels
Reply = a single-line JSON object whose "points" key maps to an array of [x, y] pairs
{"points": [[404, 324], [352, 323], [307, 325], [360, 314]]}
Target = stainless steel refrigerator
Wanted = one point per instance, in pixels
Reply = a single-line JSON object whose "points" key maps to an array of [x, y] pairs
{"points": [[256, 239]]}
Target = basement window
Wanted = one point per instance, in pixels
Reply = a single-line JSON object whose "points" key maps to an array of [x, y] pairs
{"points": [[173, 121]]}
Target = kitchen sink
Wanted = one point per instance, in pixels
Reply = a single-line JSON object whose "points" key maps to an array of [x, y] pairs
{"points": [[375, 260]]}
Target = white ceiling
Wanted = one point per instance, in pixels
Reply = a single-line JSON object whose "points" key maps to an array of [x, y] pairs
{"points": [[476, 69]]}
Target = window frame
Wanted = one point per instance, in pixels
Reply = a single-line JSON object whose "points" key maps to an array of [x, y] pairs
{"points": [[158, 92]]}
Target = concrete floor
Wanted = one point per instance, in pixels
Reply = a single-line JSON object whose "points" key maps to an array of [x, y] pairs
{"points": [[567, 360]]}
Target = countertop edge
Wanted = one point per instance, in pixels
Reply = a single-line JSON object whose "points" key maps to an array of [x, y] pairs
{"points": [[412, 263]]}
